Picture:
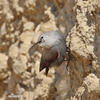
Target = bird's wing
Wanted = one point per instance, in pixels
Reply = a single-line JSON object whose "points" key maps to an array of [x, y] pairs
{"points": [[47, 59]]}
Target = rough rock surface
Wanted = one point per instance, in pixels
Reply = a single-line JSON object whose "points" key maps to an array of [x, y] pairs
{"points": [[21, 22]]}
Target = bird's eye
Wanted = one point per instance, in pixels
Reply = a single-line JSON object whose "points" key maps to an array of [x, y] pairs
{"points": [[41, 39]]}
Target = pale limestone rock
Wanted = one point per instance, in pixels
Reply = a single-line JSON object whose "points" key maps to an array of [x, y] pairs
{"points": [[18, 66], [13, 51], [16, 6], [44, 27], [83, 30], [30, 2], [3, 66], [6, 9], [92, 82], [28, 26], [26, 39], [21, 23], [3, 28], [3, 61]]}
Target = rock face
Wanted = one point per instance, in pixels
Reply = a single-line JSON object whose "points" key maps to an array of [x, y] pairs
{"points": [[21, 22]]}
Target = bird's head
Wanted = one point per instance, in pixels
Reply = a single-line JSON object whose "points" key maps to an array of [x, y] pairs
{"points": [[46, 41]]}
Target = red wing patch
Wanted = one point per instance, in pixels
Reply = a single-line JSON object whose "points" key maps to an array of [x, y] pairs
{"points": [[45, 63]]}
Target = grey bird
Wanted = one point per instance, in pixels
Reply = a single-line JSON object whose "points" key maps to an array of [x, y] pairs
{"points": [[53, 44]]}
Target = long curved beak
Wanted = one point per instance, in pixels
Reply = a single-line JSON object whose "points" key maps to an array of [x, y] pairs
{"points": [[33, 48], [36, 43]]}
